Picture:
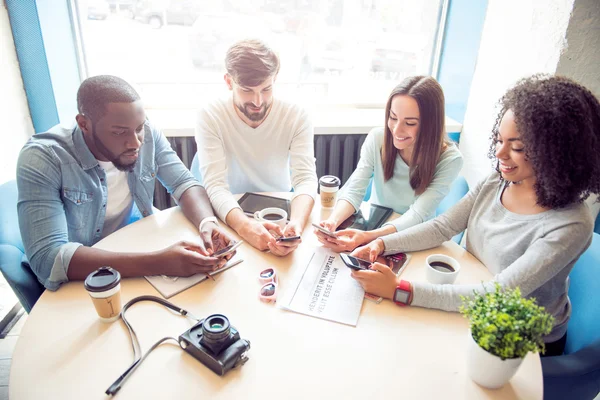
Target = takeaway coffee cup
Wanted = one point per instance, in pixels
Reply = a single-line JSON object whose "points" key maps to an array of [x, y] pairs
{"points": [[329, 186], [104, 287], [272, 214], [441, 269]]}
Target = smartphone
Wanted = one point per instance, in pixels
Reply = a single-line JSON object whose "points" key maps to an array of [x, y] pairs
{"points": [[325, 231], [288, 239], [228, 250], [355, 263]]}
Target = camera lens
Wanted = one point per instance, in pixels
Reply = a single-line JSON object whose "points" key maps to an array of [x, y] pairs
{"points": [[215, 332]]}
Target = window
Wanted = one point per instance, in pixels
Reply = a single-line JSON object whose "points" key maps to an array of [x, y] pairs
{"points": [[333, 52]]}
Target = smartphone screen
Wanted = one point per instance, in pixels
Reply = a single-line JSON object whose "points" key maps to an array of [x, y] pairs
{"points": [[288, 239], [355, 263], [325, 231], [227, 250]]}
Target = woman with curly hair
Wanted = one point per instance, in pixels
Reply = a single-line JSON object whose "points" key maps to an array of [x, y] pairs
{"points": [[527, 221], [410, 159]]}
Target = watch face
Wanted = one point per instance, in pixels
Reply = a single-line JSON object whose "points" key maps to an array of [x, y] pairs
{"points": [[401, 296]]}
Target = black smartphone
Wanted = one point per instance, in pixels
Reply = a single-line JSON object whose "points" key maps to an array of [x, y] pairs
{"points": [[355, 263], [288, 239], [227, 250]]}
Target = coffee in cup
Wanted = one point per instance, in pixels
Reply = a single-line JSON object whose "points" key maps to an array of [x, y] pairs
{"points": [[441, 269], [104, 287], [272, 214], [329, 186]]}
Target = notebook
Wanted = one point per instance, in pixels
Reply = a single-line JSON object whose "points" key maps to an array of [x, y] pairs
{"points": [[169, 286]]}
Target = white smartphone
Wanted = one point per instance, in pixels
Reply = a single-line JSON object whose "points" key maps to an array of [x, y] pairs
{"points": [[325, 231], [228, 250]]}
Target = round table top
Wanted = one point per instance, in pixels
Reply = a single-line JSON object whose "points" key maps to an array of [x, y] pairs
{"points": [[64, 351]]}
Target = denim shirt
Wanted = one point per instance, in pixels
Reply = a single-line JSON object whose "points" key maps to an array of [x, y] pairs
{"points": [[63, 194]]}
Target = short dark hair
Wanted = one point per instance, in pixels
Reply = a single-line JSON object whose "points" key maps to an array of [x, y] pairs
{"points": [[96, 92], [432, 138], [251, 62], [558, 121]]}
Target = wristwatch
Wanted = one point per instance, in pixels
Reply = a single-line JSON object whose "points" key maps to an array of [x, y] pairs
{"points": [[206, 220], [402, 293]]}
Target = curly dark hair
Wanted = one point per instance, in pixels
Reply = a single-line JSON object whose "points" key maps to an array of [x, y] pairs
{"points": [[558, 121]]}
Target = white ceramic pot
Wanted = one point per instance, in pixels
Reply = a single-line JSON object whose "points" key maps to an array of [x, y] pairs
{"points": [[488, 370]]}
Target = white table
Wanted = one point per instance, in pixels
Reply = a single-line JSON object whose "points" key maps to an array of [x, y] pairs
{"points": [[65, 352]]}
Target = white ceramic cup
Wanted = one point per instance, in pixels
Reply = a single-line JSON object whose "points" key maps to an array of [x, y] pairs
{"points": [[438, 274], [272, 214]]}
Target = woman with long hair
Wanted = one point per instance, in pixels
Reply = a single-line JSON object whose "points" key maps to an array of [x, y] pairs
{"points": [[411, 161], [526, 221]]}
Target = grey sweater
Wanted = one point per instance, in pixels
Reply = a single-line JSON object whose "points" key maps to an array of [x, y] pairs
{"points": [[534, 252]]}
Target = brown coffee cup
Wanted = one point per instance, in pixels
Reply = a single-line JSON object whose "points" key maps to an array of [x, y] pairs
{"points": [[104, 287], [329, 186]]}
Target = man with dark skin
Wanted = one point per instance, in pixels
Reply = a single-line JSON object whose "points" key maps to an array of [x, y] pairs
{"points": [[78, 185]]}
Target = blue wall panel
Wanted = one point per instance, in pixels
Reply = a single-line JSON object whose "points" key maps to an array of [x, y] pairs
{"points": [[462, 37], [31, 53]]}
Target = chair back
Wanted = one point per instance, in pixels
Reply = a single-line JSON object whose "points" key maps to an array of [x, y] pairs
{"points": [[584, 325], [9, 221], [195, 168], [21, 279], [459, 188]]}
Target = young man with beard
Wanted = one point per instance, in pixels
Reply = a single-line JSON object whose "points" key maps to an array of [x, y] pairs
{"points": [[80, 184], [249, 142]]}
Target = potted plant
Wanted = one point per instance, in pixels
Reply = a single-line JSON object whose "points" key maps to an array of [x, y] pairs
{"points": [[504, 328]]}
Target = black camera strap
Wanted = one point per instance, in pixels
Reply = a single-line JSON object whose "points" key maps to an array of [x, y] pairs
{"points": [[137, 351]]}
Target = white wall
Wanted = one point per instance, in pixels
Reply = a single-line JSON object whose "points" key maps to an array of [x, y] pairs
{"points": [[580, 59], [14, 112], [519, 38]]}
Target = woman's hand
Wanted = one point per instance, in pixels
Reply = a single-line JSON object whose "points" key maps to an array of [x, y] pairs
{"points": [[380, 280], [346, 240], [370, 251]]}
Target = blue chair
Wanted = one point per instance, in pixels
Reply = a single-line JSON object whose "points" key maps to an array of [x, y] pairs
{"points": [[576, 373], [18, 275], [459, 188], [597, 224], [195, 168], [368, 192]]}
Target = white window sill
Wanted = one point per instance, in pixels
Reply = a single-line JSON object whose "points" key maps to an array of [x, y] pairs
{"points": [[181, 123]]}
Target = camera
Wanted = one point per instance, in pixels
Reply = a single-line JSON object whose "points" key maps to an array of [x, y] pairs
{"points": [[216, 344]]}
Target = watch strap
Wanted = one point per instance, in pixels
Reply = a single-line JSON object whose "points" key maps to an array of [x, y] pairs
{"points": [[207, 220]]}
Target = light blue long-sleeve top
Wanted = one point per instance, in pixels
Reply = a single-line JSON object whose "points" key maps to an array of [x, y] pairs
{"points": [[397, 193]]}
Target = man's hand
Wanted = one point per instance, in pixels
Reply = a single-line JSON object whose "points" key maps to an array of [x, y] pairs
{"points": [[370, 251], [293, 228], [215, 238], [258, 235], [186, 259], [347, 240], [380, 280]]}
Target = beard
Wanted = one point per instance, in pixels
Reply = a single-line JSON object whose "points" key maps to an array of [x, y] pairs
{"points": [[254, 116], [115, 159]]}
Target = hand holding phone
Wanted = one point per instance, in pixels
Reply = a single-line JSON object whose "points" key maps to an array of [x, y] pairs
{"points": [[356, 264], [227, 250], [325, 231]]}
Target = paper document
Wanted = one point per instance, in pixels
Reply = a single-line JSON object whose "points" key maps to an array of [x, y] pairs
{"points": [[325, 289], [169, 286]]}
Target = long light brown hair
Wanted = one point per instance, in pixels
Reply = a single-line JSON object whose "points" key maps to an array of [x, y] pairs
{"points": [[431, 139]]}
